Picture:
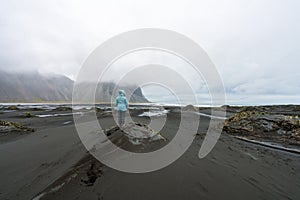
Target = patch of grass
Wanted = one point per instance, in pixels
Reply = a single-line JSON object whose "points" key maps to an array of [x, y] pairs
{"points": [[297, 108], [13, 107], [17, 126], [28, 114], [245, 115]]}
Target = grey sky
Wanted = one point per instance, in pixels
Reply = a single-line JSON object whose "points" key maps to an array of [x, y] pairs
{"points": [[254, 44]]}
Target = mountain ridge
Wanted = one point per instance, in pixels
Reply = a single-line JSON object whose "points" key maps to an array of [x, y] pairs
{"points": [[34, 87]]}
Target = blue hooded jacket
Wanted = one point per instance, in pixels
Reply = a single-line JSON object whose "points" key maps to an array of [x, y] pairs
{"points": [[121, 102]]}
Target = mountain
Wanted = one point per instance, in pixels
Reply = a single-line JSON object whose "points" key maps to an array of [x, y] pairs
{"points": [[36, 87], [105, 92]]}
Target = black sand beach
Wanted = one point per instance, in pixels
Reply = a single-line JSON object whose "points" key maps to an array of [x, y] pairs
{"points": [[52, 163]]}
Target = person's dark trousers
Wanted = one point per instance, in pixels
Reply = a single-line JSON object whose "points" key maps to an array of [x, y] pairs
{"points": [[121, 118]]}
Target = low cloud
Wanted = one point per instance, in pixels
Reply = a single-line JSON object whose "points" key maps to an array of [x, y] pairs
{"points": [[255, 45]]}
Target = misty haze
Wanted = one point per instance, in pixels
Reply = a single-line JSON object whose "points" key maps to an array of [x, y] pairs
{"points": [[149, 100]]}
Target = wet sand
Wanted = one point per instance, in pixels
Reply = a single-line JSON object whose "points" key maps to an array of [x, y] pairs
{"points": [[53, 162]]}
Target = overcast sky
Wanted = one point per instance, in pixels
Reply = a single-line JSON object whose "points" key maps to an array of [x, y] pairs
{"points": [[254, 44]]}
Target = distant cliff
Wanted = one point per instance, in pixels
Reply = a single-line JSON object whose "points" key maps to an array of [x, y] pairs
{"points": [[36, 87]]}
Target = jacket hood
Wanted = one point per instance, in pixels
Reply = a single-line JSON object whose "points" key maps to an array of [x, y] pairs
{"points": [[121, 93]]}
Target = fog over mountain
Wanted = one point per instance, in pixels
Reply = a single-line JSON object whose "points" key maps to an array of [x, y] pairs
{"points": [[36, 87], [254, 44]]}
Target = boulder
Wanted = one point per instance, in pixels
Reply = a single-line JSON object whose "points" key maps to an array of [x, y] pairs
{"points": [[134, 136], [253, 123], [63, 108]]}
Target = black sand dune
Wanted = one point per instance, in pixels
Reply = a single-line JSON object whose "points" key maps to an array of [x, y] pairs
{"points": [[51, 163]]}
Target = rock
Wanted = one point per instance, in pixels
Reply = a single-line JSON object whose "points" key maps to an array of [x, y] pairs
{"points": [[136, 133], [252, 122], [63, 108], [36, 109]]}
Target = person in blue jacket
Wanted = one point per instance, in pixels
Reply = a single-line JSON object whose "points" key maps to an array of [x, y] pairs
{"points": [[122, 106]]}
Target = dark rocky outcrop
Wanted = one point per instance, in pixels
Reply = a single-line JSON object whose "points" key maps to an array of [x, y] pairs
{"points": [[63, 108], [254, 123], [136, 137]]}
